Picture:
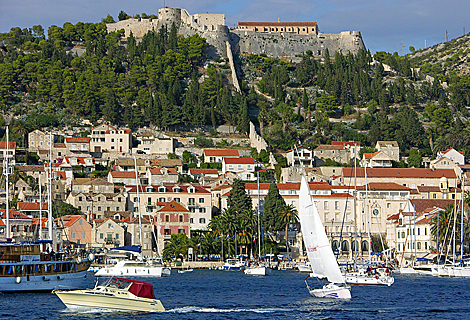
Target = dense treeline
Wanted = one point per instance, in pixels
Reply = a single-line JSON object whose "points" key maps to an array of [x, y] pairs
{"points": [[154, 81]]}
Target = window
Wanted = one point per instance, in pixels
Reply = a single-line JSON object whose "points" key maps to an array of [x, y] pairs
{"points": [[73, 235], [83, 235], [119, 199], [202, 220], [336, 205], [167, 218], [181, 231], [181, 218], [80, 199], [192, 209], [325, 205], [398, 234], [425, 231], [201, 200], [202, 210], [99, 208], [161, 199], [418, 245], [99, 198], [117, 208], [166, 232], [101, 236], [135, 199], [191, 220], [389, 205], [80, 222], [117, 235], [191, 201], [418, 235], [177, 200], [426, 245]]}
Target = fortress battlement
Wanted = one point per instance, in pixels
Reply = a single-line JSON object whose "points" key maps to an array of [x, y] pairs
{"points": [[275, 39]]}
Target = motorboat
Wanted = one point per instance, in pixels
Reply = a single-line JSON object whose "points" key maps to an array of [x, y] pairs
{"points": [[117, 294], [128, 268], [233, 265], [24, 268]]}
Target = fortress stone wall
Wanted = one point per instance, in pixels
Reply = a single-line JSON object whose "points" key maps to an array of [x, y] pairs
{"points": [[212, 27]]}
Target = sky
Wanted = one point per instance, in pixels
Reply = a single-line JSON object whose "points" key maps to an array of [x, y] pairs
{"points": [[386, 25]]}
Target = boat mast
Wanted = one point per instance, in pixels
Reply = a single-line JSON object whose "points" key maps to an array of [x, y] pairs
{"points": [[462, 208], [40, 208], [355, 213], [6, 172], [138, 204], [455, 222], [49, 187], [259, 225], [367, 213]]}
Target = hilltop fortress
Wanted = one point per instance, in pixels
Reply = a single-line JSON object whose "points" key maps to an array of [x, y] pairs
{"points": [[275, 39]]}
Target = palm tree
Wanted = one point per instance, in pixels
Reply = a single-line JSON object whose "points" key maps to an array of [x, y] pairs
{"points": [[440, 224], [289, 215], [177, 247]]}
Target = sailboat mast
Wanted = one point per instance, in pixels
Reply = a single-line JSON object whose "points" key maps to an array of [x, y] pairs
{"points": [[367, 213], [40, 208], [462, 208], [455, 222], [6, 172], [355, 213], [49, 187], [138, 201], [259, 225]]}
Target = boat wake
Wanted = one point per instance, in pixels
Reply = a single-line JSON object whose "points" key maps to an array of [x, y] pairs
{"points": [[192, 309]]}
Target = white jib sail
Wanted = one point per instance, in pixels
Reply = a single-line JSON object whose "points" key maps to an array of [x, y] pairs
{"points": [[318, 247]]}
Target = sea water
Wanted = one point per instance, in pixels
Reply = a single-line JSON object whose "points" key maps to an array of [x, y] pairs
{"points": [[209, 294]]}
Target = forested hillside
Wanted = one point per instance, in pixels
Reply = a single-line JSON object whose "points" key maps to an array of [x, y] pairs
{"points": [[165, 80]]}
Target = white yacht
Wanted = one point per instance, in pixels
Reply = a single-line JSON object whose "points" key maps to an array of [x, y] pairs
{"points": [[233, 265], [258, 270], [129, 268], [115, 294], [373, 277]]}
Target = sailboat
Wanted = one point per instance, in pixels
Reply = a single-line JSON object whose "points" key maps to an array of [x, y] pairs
{"points": [[259, 268], [320, 254]]}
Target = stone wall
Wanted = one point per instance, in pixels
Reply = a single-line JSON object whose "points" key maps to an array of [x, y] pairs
{"points": [[212, 27], [257, 141], [232, 67]]}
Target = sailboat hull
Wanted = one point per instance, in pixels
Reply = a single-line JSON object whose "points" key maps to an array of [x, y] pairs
{"points": [[258, 271], [366, 280], [333, 291]]}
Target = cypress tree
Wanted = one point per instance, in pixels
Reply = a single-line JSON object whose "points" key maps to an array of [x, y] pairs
{"points": [[238, 200], [272, 210]]}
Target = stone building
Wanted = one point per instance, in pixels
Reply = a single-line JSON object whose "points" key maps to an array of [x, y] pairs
{"points": [[76, 230], [390, 148], [108, 138], [172, 218], [107, 233], [283, 27], [150, 143]]}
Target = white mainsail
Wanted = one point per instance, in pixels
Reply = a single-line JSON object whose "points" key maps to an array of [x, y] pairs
{"points": [[318, 247]]}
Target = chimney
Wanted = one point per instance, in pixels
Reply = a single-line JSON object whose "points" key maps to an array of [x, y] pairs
{"points": [[278, 19]]}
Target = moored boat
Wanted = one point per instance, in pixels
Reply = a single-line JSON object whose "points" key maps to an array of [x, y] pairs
{"points": [[128, 268], [118, 294], [23, 267]]}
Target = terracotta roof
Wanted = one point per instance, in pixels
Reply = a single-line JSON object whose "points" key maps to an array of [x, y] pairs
{"points": [[400, 173], [159, 171], [59, 145], [30, 168], [394, 216], [449, 149], [222, 152], [13, 214], [421, 205], [428, 189], [36, 222], [383, 186], [371, 155], [278, 24], [173, 206], [298, 147], [68, 220], [240, 160], [11, 145], [79, 159], [27, 206], [203, 171], [123, 174], [328, 147], [77, 140]]}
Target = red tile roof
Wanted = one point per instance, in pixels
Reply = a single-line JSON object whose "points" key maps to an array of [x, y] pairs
{"points": [[278, 24], [12, 214], [123, 174], [203, 171], [28, 206], [159, 171], [59, 145], [169, 188], [384, 186], [77, 140], [400, 172], [240, 160], [346, 143], [79, 159], [173, 206], [222, 152], [11, 145], [68, 220]]}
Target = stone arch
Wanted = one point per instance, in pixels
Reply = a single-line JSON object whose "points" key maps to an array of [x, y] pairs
{"points": [[335, 245], [354, 246], [365, 245], [345, 245]]}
